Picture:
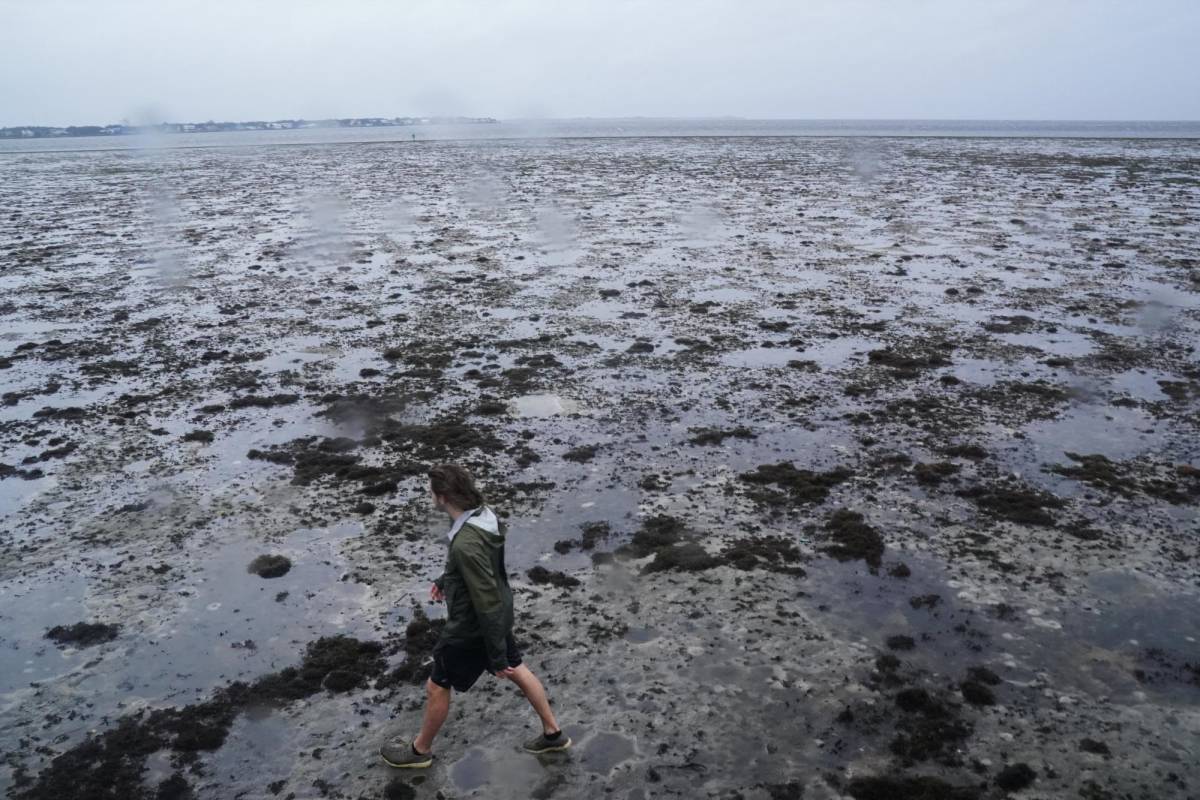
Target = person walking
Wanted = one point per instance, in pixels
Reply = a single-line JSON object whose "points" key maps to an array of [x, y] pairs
{"points": [[478, 631]]}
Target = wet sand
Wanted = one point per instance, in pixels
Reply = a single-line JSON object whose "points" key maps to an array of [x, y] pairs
{"points": [[831, 467]]}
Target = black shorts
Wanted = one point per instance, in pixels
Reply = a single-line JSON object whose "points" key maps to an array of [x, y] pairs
{"points": [[458, 667]]}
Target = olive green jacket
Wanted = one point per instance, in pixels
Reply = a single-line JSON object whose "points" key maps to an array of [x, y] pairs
{"points": [[479, 603]]}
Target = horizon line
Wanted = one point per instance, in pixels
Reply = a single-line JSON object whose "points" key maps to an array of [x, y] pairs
{"points": [[642, 117]]}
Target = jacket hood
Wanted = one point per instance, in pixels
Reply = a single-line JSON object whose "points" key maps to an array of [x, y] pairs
{"points": [[482, 518]]}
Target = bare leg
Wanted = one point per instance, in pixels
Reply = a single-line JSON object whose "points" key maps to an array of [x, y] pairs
{"points": [[437, 708], [532, 688]]}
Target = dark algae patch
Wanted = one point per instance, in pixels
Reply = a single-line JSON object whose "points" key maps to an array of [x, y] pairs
{"points": [[270, 566], [322, 658], [342, 680], [175, 787], [668, 540], [582, 454], [420, 636], [398, 789], [930, 730], [770, 553], [983, 675], [110, 765], [312, 458], [592, 533], [684, 557], [916, 787], [1014, 502], [781, 487], [916, 699], [716, 436], [933, 474], [1178, 486], [908, 362], [851, 538], [673, 548], [971, 451], [977, 694], [83, 634], [1015, 777], [656, 533], [542, 576], [260, 401]]}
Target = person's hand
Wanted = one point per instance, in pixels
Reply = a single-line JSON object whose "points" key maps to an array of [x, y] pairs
{"points": [[436, 594]]}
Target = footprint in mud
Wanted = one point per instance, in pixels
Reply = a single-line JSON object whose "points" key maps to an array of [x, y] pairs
{"points": [[641, 635], [504, 773], [471, 771], [605, 751]]}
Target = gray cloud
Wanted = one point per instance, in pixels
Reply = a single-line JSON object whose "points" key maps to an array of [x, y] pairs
{"points": [[64, 62]]}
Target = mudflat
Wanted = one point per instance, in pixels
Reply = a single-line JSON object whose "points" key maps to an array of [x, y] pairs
{"points": [[831, 467]]}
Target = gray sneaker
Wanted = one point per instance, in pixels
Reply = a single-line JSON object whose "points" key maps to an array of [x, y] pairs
{"points": [[541, 744], [398, 752]]}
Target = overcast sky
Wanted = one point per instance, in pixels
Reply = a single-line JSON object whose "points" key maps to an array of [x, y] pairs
{"points": [[98, 61]]}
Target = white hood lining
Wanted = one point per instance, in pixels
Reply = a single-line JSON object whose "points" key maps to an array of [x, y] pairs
{"points": [[481, 517]]}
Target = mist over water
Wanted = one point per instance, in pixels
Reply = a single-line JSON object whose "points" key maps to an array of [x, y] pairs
{"points": [[626, 128]]}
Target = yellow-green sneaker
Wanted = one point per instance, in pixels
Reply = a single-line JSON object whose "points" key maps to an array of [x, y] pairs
{"points": [[547, 744], [399, 752]]}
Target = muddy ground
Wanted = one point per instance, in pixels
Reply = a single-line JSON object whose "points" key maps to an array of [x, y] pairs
{"points": [[831, 467]]}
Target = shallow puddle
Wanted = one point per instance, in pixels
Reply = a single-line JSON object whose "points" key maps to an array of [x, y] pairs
{"points": [[542, 405], [604, 751]]}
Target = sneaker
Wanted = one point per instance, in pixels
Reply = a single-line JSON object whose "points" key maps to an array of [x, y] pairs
{"points": [[398, 752], [540, 744]]}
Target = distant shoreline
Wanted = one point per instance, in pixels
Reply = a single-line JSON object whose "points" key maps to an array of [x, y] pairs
{"points": [[445, 129], [123, 129]]}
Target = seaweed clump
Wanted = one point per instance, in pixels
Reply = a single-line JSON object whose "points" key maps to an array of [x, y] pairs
{"points": [[851, 538], [932, 474], [1015, 777], [110, 765], [906, 787], [684, 557], [663, 537], [657, 532], [270, 566], [929, 729], [770, 553], [83, 634], [707, 436], [1015, 503], [779, 487], [1120, 478], [420, 637], [907, 365], [541, 576]]}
